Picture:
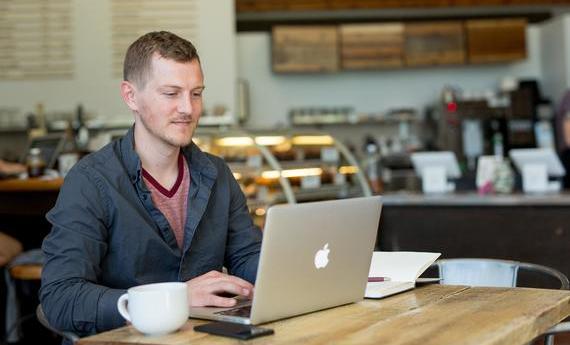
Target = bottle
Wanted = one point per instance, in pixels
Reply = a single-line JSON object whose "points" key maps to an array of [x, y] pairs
{"points": [[497, 140], [372, 164], [503, 179], [35, 163], [82, 133], [69, 154], [37, 122]]}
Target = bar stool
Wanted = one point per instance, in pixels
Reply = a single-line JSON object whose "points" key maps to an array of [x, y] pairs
{"points": [[25, 275], [9, 248], [26, 272], [25, 280]]}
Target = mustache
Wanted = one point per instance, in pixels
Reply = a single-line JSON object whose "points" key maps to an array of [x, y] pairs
{"points": [[182, 119]]}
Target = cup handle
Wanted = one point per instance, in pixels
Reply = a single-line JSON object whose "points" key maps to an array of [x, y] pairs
{"points": [[122, 306]]}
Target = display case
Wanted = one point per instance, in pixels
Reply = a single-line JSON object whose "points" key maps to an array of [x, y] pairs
{"points": [[286, 167]]}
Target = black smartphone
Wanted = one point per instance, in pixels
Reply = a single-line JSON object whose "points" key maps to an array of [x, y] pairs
{"points": [[233, 330]]}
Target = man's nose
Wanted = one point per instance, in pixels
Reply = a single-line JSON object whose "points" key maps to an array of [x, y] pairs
{"points": [[185, 105]]}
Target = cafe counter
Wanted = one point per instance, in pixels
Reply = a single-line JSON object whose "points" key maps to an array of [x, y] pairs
{"points": [[531, 228], [474, 199]]}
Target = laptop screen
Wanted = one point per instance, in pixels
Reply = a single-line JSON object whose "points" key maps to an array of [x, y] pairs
{"points": [[50, 146]]}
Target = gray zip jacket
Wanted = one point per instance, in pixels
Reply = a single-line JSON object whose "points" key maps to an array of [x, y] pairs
{"points": [[107, 235]]}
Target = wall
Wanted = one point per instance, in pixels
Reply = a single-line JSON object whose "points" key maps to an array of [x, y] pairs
{"points": [[555, 48], [272, 95], [93, 84]]}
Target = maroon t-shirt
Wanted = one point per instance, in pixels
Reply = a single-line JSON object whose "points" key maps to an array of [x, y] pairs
{"points": [[172, 203]]}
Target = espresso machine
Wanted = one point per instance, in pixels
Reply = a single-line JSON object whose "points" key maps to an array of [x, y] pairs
{"points": [[493, 123]]}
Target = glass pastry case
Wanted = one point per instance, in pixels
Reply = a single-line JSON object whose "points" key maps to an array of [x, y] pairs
{"points": [[274, 167]]}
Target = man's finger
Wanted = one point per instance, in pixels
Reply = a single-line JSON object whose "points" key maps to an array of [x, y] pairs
{"points": [[238, 281], [224, 278], [217, 301], [227, 286]]}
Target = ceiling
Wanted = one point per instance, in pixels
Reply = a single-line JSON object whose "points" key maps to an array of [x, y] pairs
{"points": [[261, 15]]}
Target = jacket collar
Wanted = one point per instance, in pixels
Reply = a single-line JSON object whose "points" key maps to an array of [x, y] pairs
{"points": [[197, 159]]}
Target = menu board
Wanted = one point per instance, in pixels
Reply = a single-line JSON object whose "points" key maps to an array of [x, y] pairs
{"points": [[133, 18], [35, 36]]}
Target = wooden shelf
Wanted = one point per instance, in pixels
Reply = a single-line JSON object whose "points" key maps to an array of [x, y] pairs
{"points": [[14, 130], [379, 121]]}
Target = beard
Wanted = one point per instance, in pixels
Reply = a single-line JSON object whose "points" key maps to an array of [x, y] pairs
{"points": [[172, 139]]}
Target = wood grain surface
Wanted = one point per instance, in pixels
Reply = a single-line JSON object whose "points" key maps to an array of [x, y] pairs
{"points": [[495, 40], [26, 272], [30, 185], [434, 43], [432, 314], [302, 49], [372, 46]]}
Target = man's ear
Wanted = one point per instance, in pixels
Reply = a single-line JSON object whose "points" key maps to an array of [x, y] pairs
{"points": [[129, 93]]}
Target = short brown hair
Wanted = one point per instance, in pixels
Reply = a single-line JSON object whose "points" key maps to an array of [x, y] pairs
{"points": [[136, 67]]}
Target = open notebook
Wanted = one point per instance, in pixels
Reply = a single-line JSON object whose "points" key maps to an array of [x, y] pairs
{"points": [[401, 269]]}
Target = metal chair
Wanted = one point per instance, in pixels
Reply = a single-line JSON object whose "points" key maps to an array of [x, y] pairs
{"points": [[70, 336], [497, 273]]}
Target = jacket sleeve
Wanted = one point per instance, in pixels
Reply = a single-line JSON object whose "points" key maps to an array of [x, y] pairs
{"points": [[70, 295], [244, 238]]}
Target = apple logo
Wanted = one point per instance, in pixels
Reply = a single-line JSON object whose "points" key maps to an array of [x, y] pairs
{"points": [[322, 257]]}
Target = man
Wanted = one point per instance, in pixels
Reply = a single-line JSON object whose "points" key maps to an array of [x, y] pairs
{"points": [[150, 207]]}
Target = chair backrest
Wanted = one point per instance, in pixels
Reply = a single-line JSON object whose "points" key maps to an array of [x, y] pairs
{"points": [[490, 272]]}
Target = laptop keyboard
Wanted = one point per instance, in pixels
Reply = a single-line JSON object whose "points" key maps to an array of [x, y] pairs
{"points": [[243, 311]]}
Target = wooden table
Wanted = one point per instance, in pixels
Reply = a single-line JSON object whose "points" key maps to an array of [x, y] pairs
{"points": [[432, 314], [31, 185], [28, 196]]}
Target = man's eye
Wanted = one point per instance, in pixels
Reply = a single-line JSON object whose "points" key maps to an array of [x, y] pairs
{"points": [[197, 94], [170, 94]]}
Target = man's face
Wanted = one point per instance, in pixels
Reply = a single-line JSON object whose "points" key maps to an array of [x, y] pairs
{"points": [[169, 105]]}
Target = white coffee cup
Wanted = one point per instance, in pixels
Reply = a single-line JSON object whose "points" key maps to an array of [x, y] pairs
{"points": [[155, 309]]}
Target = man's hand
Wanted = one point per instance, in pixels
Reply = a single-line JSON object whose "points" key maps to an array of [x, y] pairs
{"points": [[8, 168], [206, 289]]}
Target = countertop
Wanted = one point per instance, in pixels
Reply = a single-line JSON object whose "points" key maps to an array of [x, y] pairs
{"points": [[474, 199]]}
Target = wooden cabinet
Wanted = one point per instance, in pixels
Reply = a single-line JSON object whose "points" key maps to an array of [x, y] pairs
{"points": [[371, 46], [434, 43], [395, 45], [496, 40], [297, 49]]}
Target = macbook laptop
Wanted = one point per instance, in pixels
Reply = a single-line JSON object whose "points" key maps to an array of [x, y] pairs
{"points": [[313, 256], [50, 145]]}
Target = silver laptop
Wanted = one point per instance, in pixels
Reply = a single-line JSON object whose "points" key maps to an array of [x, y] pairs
{"points": [[313, 256]]}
